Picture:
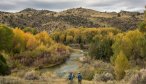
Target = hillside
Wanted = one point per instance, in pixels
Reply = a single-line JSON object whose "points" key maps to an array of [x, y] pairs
{"points": [[71, 18]]}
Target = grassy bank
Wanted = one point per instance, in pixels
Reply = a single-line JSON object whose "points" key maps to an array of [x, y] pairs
{"points": [[15, 80]]}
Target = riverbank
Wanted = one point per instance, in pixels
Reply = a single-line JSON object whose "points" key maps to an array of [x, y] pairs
{"points": [[60, 70]]}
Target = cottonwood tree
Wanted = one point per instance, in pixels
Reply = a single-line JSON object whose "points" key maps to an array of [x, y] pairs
{"points": [[18, 40]]}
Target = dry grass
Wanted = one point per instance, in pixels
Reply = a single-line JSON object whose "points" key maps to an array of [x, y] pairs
{"points": [[14, 80]]}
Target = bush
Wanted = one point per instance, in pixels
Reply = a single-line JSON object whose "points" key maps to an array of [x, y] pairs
{"points": [[31, 75], [129, 73], [47, 75], [87, 72], [31, 30], [139, 78], [4, 69], [33, 58], [103, 67], [142, 27], [103, 77], [11, 80], [42, 56]]}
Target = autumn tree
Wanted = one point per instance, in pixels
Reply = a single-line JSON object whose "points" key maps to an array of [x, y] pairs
{"points": [[121, 64], [31, 42], [18, 40], [81, 35], [132, 44], [43, 37], [62, 38]]}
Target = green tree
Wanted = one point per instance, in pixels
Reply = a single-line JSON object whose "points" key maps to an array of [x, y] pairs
{"points": [[6, 38], [100, 48]]}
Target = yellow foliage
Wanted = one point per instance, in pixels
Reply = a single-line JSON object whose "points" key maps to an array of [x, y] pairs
{"points": [[127, 42], [31, 42], [62, 38], [69, 39], [82, 35], [19, 39], [59, 48], [44, 38], [42, 48], [121, 64]]}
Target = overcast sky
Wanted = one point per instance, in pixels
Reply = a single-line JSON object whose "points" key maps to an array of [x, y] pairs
{"points": [[59, 5]]}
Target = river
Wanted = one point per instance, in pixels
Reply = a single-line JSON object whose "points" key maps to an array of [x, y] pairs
{"points": [[71, 65]]}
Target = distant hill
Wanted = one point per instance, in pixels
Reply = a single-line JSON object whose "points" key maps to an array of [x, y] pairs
{"points": [[76, 17]]}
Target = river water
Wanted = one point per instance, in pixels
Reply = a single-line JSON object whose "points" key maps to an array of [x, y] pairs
{"points": [[71, 65]]}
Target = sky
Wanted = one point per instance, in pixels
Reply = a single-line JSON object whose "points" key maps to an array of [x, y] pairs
{"points": [[60, 5]]}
